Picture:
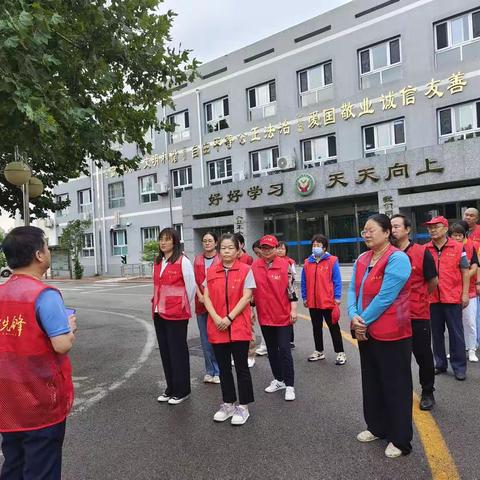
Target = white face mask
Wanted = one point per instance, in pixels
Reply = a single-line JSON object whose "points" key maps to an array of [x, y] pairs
{"points": [[317, 251]]}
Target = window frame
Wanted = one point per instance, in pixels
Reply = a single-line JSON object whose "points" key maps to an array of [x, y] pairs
{"points": [[448, 22], [215, 123], [264, 106], [120, 200], [59, 198], [219, 180], [155, 228], [90, 248], [179, 135], [152, 195], [84, 207], [384, 150], [464, 134], [316, 163], [123, 247], [313, 90], [269, 170], [177, 190]]}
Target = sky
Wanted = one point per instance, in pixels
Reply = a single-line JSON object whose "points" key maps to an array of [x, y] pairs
{"points": [[213, 28]]}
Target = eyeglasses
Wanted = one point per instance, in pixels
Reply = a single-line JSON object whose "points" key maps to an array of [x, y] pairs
{"points": [[364, 233], [208, 241]]}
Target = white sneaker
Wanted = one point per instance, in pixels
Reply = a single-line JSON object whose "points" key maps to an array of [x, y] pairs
{"points": [[366, 436], [472, 356], [341, 359], [392, 451], [261, 350], [315, 356], [216, 379], [225, 412], [251, 362], [290, 394], [240, 415], [177, 400], [207, 379], [275, 385], [163, 398]]}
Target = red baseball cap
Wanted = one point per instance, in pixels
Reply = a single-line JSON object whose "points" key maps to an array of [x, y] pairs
{"points": [[269, 240], [436, 220]]}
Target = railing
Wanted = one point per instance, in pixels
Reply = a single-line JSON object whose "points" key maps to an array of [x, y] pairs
{"points": [[136, 270]]}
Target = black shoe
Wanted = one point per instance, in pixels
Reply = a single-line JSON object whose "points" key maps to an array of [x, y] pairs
{"points": [[439, 371], [292, 345], [427, 401], [460, 376]]}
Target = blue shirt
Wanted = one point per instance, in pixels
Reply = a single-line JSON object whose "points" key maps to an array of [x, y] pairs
{"points": [[397, 272], [336, 277], [51, 313]]}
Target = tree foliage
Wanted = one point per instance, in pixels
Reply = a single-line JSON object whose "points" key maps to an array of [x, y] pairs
{"points": [[72, 241], [150, 251], [77, 79]]}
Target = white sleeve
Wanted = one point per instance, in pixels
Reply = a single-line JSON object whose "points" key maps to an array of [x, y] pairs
{"points": [[249, 281], [189, 278]]}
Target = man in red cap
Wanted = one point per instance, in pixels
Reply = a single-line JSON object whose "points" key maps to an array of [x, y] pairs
{"points": [[448, 299], [276, 304]]}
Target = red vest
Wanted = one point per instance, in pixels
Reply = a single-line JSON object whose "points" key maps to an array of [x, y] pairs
{"points": [[225, 291], [36, 389], [449, 288], [469, 249], [199, 271], [419, 304], [474, 235], [246, 258], [394, 323], [170, 298], [318, 279], [271, 293]]}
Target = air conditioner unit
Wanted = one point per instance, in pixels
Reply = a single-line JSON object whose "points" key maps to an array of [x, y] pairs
{"points": [[238, 176], [162, 188], [116, 219], [286, 163]]}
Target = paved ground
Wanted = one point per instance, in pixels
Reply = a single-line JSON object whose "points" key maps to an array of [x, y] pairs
{"points": [[118, 430]]}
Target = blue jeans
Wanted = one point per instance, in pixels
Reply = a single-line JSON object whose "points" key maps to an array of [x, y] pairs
{"points": [[211, 365]]}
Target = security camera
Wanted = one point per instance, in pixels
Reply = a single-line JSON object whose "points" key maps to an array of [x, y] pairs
{"points": [[128, 224], [112, 228]]}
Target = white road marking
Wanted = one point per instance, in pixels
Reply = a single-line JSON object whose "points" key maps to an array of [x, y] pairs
{"points": [[102, 290], [147, 350]]}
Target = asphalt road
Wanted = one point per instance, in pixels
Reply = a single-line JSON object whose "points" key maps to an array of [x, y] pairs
{"points": [[118, 430]]}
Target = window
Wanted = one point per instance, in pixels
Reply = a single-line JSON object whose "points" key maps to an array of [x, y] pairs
{"points": [[119, 242], [149, 234], [459, 122], [182, 180], [88, 246], [216, 115], [84, 200], [179, 228], [319, 151], [220, 171], [146, 187], [116, 195], [182, 127], [64, 197], [383, 138], [262, 101], [311, 82], [380, 63], [455, 39], [264, 161]]}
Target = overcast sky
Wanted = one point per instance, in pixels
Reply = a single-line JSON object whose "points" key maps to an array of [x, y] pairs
{"points": [[212, 28]]}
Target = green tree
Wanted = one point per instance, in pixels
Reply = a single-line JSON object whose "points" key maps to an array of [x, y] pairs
{"points": [[150, 251], [3, 260], [77, 79], [72, 241]]}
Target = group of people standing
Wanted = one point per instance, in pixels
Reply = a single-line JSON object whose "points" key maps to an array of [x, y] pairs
{"points": [[400, 298]]}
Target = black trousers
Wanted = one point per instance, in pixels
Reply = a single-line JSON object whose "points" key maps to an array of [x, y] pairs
{"points": [[34, 454], [277, 340], [387, 390], [224, 353], [318, 315], [449, 314], [172, 341], [422, 351]]}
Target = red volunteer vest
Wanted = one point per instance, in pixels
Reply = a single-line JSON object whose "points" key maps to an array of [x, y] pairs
{"points": [[449, 288], [246, 259], [36, 389], [225, 291], [169, 293], [469, 249], [419, 297], [319, 283], [271, 295], [199, 271], [394, 323], [474, 235]]}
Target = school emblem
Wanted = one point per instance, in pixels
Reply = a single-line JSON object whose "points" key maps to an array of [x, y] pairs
{"points": [[305, 184]]}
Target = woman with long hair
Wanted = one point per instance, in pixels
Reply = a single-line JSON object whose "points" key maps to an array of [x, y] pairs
{"points": [[173, 290], [379, 309], [227, 300], [207, 259]]}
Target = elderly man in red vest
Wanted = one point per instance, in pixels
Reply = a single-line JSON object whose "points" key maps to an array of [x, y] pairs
{"points": [[36, 390]]}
